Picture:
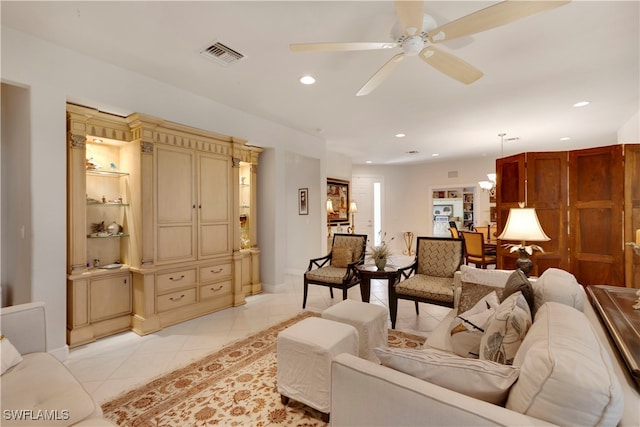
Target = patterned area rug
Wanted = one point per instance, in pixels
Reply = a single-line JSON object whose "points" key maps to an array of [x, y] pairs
{"points": [[235, 386]]}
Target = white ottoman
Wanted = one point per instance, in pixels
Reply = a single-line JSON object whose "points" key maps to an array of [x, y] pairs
{"points": [[369, 319], [305, 351]]}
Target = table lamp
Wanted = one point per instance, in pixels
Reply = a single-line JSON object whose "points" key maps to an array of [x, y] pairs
{"points": [[353, 208], [523, 224], [329, 212]]}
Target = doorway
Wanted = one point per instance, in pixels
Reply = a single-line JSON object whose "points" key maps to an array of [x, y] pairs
{"points": [[367, 192]]}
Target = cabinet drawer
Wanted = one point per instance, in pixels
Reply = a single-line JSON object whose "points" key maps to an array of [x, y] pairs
{"points": [[215, 272], [215, 289], [177, 279], [176, 299]]}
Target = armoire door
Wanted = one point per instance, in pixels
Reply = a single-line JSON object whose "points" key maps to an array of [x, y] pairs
{"points": [[596, 182], [214, 204], [510, 190], [175, 208]]}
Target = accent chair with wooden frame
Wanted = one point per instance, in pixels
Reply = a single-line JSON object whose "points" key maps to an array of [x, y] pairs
{"points": [[337, 269], [429, 278], [476, 251]]}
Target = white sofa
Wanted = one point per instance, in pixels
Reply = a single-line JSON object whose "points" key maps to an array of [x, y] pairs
{"points": [[37, 389], [595, 389]]}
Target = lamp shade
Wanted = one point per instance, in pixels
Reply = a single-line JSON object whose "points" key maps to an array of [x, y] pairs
{"points": [[522, 224], [353, 208], [329, 206]]}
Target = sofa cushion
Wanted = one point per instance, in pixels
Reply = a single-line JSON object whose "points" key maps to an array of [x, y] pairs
{"points": [[466, 329], [430, 287], [518, 281], [328, 274], [341, 257], [42, 383], [10, 356], [566, 375], [558, 286], [506, 330], [481, 379]]}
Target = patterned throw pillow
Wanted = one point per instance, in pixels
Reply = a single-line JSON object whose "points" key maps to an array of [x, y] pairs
{"points": [[518, 282], [506, 330], [466, 329], [472, 293], [341, 257]]}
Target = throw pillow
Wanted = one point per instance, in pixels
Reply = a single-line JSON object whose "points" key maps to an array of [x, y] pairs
{"points": [[555, 285], [506, 330], [341, 257], [481, 379], [10, 356], [518, 281], [474, 292], [466, 329]]}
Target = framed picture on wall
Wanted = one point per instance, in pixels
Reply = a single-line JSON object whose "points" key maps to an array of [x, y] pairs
{"points": [[337, 201], [303, 201]]}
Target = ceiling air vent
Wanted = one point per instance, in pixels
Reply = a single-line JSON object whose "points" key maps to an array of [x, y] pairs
{"points": [[221, 54]]}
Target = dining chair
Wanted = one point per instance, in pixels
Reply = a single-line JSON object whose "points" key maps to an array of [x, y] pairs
{"points": [[477, 251]]}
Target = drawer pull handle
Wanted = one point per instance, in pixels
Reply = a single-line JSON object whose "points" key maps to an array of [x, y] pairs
{"points": [[176, 299], [178, 279], [216, 289], [217, 271]]}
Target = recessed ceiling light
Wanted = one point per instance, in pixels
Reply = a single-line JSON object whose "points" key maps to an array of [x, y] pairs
{"points": [[581, 104], [400, 135], [565, 138], [307, 80], [435, 155], [369, 162]]}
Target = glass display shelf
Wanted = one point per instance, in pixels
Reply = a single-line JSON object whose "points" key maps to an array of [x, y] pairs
{"points": [[95, 203], [101, 172], [107, 236]]}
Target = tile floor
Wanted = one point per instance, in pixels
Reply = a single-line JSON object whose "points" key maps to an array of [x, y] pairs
{"points": [[115, 364]]}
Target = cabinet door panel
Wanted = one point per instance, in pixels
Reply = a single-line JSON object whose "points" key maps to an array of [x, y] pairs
{"points": [[214, 240], [214, 189], [110, 296], [175, 243], [174, 186]]}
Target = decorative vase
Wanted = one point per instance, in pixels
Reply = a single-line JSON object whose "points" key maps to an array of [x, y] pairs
{"points": [[381, 263], [524, 263]]}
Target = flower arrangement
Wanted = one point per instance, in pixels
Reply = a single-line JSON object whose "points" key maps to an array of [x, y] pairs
{"points": [[380, 253]]}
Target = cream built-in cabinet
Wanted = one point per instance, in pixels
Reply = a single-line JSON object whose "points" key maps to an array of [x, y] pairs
{"points": [[178, 206]]}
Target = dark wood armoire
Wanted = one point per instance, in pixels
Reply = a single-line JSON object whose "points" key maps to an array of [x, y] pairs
{"points": [[588, 203]]}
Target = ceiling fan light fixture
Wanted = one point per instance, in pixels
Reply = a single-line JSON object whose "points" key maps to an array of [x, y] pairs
{"points": [[411, 46]]}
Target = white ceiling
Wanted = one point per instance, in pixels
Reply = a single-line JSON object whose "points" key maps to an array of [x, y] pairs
{"points": [[534, 70]]}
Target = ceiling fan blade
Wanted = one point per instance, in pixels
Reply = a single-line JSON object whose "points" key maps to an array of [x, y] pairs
{"points": [[450, 65], [410, 15], [380, 75], [493, 16], [337, 47]]}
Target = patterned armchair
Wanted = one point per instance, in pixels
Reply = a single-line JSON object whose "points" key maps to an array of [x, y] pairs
{"points": [[338, 268], [430, 278]]}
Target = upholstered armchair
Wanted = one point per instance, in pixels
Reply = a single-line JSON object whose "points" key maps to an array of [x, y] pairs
{"points": [[429, 278], [337, 269]]}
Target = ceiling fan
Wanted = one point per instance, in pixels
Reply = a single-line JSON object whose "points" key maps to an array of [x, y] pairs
{"points": [[416, 33]]}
